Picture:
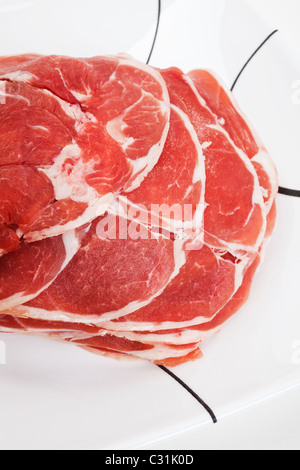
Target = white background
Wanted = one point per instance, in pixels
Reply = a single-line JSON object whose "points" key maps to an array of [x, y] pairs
{"points": [[272, 425], [286, 14]]}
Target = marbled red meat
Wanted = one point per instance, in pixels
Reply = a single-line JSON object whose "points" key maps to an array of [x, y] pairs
{"points": [[108, 278], [172, 196], [89, 127], [27, 272], [235, 213], [135, 205]]}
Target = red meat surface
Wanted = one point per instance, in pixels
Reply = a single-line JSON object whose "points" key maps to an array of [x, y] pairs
{"points": [[135, 205]]}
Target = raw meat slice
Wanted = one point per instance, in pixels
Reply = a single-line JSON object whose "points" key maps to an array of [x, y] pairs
{"points": [[35, 125], [25, 273], [143, 350], [9, 322], [24, 192], [92, 126], [155, 353], [235, 214], [271, 220], [223, 104], [98, 343], [111, 275], [198, 333], [204, 285], [167, 362], [172, 196], [172, 362], [91, 337], [96, 132]]}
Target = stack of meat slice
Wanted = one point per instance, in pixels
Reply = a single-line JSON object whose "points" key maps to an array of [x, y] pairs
{"points": [[135, 204]]}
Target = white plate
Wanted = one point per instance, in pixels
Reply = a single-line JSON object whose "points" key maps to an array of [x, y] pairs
{"points": [[56, 396]]}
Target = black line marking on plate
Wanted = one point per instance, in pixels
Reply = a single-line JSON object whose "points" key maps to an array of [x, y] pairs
{"points": [[252, 56], [194, 394], [156, 31], [289, 192]]}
